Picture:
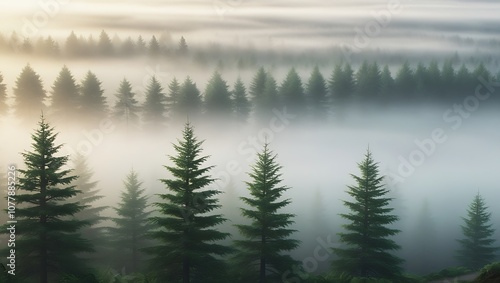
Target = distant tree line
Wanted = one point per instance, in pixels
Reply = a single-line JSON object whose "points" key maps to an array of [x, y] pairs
{"points": [[76, 46], [315, 97], [178, 240]]}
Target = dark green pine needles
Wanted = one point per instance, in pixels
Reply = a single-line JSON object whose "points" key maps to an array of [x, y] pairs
{"points": [[367, 236], [262, 252], [48, 236], [188, 249]]}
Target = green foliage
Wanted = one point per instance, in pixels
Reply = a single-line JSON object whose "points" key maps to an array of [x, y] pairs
{"points": [[173, 96], [29, 95], [242, 106], [92, 101], [367, 236], [190, 101], [476, 248], [317, 94], [126, 107], [154, 105], [49, 237], [262, 252], [447, 273], [489, 274], [291, 92], [217, 96], [188, 248], [132, 227], [65, 96]]}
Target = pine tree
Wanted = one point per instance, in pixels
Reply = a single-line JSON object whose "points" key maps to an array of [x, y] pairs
{"points": [[386, 86], [190, 101], [367, 235], [183, 47], [173, 96], [48, 237], [434, 84], [404, 83], [3, 97], [130, 234], [153, 109], [140, 45], [29, 95], [128, 47], [476, 248], [154, 47], [126, 108], [65, 96], [104, 46], [217, 96], [92, 101], [88, 196], [73, 47], [242, 106], [291, 92], [317, 93], [447, 80], [342, 87], [257, 90], [188, 251], [262, 252]]}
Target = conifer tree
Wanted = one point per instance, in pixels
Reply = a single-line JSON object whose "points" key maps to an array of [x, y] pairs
{"points": [[3, 97], [65, 96], [342, 86], [404, 83], [128, 47], [183, 47], [242, 106], [126, 108], [92, 101], [73, 47], [257, 89], [317, 94], [217, 96], [48, 236], [291, 92], [368, 247], [173, 96], [130, 234], [476, 247], [266, 239], [29, 95], [190, 101], [154, 47], [386, 86], [188, 250], [153, 109], [104, 46]]}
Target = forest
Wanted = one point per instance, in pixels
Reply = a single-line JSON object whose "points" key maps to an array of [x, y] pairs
{"points": [[249, 141]]}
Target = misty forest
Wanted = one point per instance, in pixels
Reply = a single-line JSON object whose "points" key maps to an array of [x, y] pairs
{"points": [[249, 141]]}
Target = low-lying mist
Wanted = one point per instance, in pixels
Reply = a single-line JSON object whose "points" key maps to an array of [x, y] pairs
{"points": [[439, 172]]}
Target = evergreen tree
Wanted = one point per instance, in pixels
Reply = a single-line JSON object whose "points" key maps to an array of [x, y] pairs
{"points": [[404, 83], [217, 96], [464, 83], [386, 86], [3, 97], [317, 94], [190, 101], [448, 80], [257, 90], [174, 92], [48, 238], [363, 86], [153, 109], [128, 47], [92, 101], [269, 100], [434, 84], [29, 95], [130, 234], [262, 252], [183, 47], [423, 83], [104, 46], [291, 92], [126, 107], [367, 235], [342, 86], [476, 248], [154, 47], [87, 198], [242, 106], [188, 251], [73, 47], [140, 45], [65, 96]]}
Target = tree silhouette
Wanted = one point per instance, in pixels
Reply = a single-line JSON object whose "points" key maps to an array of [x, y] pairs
{"points": [[29, 95], [242, 106], [126, 108], [65, 97], [92, 101]]}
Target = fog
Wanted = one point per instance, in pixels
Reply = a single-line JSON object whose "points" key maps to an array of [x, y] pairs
{"points": [[317, 157]]}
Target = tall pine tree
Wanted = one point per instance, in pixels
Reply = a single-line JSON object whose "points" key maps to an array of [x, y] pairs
{"points": [[153, 109], [49, 238], [130, 234], [92, 101], [262, 252], [126, 109], [368, 247], [217, 96], [242, 106], [65, 97], [476, 247], [317, 94], [188, 250]]}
